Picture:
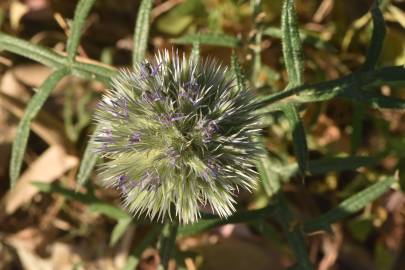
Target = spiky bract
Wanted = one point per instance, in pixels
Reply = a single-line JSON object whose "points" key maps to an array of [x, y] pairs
{"points": [[176, 135]]}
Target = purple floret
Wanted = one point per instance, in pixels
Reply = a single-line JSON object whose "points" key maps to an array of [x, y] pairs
{"points": [[209, 130], [135, 137]]}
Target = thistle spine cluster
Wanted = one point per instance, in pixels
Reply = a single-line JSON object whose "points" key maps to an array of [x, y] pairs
{"points": [[176, 135]]}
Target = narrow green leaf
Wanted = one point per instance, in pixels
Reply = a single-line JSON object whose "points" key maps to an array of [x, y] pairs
{"points": [[35, 52], [119, 230], [195, 52], [357, 127], [298, 135], [65, 192], [292, 47], [377, 38], [350, 205], [375, 100], [256, 7], [87, 164], [141, 31], [340, 87], [95, 205], [237, 71], [293, 233], [257, 54], [47, 57], [98, 72], [81, 13], [147, 241], [210, 39], [392, 76], [238, 217], [108, 210], [322, 166], [33, 107], [292, 53], [336, 164]]}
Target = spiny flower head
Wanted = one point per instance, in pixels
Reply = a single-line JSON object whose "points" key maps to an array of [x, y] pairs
{"points": [[177, 135]]}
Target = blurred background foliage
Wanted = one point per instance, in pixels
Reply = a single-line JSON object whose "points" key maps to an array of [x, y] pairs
{"points": [[62, 230]]}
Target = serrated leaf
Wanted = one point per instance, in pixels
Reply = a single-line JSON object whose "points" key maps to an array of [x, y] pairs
{"points": [[33, 107], [292, 53], [81, 13], [350, 206], [377, 38], [35, 52], [119, 230], [141, 34], [210, 39], [90, 70], [292, 47]]}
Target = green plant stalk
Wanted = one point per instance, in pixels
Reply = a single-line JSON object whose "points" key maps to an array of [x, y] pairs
{"points": [[349, 206], [33, 107], [87, 163], [81, 13], [134, 257], [323, 91], [315, 92], [195, 52], [210, 222], [141, 32], [257, 59], [377, 38], [292, 53], [292, 232], [47, 57], [167, 243], [34, 52]]}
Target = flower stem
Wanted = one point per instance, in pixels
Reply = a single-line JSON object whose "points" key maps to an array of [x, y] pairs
{"points": [[167, 243]]}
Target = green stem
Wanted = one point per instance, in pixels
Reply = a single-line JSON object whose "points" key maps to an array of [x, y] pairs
{"points": [[167, 243], [134, 257], [293, 233]]}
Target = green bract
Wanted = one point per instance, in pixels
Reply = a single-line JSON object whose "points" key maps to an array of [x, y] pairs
{"points": [[177, 135]]}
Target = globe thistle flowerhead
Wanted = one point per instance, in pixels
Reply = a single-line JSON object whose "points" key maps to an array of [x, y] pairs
{"points": [[176, 135]]}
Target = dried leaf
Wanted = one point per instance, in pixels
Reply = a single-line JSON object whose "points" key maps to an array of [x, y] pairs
{"points": [[51, 165]]}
